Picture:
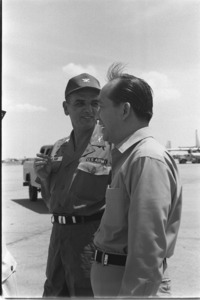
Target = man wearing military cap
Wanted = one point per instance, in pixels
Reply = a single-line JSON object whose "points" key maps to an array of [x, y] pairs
{"points": [[74, 180]]}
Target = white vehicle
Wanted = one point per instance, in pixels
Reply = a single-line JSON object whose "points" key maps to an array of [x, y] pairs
{"points": [[29, 176]]}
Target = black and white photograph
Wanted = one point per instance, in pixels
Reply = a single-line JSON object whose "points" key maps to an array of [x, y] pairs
{"points": [[100, 149]]}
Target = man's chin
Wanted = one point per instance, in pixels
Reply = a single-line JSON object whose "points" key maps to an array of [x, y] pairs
{"points": [[87, 124]]}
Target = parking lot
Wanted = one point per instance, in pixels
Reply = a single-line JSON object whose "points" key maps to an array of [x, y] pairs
{"points": [[27, 228]]}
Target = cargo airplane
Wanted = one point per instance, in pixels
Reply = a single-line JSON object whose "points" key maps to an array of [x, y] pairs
{"points": [[192, 152]]}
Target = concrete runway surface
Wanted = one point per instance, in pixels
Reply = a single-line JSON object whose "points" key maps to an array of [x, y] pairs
{"points": [[27, 229]]}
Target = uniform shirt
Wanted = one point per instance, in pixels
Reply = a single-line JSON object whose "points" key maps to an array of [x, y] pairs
{"points": [[79, 179], [143, 209]]}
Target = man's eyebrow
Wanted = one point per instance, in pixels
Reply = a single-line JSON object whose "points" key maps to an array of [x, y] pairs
{"points": [[80, 100]]}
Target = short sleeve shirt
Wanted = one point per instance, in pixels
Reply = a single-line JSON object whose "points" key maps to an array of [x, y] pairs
{"points": [[79, 179]]}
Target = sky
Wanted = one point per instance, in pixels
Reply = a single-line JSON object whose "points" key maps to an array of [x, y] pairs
{"points": [[46, 42]]}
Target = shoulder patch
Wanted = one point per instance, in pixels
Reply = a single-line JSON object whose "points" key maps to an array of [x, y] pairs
{"points": [[58, 144]]}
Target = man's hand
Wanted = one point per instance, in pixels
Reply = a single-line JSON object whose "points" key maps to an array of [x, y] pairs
{"points": [[42, 166]]}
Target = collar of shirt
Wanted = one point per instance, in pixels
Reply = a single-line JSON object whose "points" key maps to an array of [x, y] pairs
{"points": [[134, 138], [82, 143]]}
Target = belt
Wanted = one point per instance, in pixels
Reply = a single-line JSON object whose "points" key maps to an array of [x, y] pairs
{"points": [[70, 220], [109, 259], [113, 259]]}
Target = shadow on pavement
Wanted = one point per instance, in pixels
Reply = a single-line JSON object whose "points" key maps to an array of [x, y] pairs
{"points": [[37, 206]]}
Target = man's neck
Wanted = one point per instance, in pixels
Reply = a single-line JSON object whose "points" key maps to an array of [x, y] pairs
{"points": [[127, 132], [81, 137]]}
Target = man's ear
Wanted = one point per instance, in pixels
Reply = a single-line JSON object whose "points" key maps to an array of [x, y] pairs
{"points": [[65, 108], [126, 110]]}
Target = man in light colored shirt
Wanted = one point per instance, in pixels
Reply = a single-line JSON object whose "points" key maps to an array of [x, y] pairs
{"points": [[139, 228]]}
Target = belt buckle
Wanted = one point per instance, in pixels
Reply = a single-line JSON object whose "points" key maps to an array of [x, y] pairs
{"points": [[105, 259], [73, 219], [61, 220], [95, 255]]}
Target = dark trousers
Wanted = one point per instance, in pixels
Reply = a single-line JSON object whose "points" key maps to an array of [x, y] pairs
{"points": [[69, 260]]}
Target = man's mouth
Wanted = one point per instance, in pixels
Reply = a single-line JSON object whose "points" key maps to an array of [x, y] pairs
{"points": [[88, 117]]}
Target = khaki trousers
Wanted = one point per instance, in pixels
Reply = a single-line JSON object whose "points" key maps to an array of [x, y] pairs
{"points": [[69, 260], [106, 281]]}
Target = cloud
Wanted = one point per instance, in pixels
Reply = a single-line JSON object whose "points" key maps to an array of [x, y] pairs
{"points": [[72, 70], [162, 87], [26, 107]]}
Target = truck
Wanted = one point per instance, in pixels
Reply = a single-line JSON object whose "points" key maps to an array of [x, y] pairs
{"points": [[191, 156], [29, 175], [183, 158], [195, 158]]}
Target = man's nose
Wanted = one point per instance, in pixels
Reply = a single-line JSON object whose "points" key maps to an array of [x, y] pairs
{"points": [[89, 108]]}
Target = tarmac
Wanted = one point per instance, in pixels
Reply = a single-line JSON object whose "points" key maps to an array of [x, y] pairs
{"points": [[27, 227]]}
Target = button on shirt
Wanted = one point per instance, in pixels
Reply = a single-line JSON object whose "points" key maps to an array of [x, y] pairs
{"points": [[143, 210]]}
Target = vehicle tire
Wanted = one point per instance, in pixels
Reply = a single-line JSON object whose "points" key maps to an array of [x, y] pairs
{"points": [[182, 161], [33, 193]]}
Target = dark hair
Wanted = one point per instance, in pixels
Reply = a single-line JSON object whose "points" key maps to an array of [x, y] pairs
{"points": [[131, 89]]}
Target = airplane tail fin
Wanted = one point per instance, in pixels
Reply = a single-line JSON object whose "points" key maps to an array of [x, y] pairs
{"points": [[197, 139]]}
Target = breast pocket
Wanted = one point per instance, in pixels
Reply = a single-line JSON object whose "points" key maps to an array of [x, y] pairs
{"points": [[115, 206], [55, 166], [88, 188]]}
